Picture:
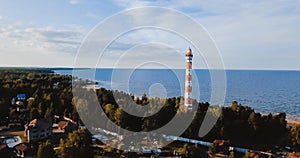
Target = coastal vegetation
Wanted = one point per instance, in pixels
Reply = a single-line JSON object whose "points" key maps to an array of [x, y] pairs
{"points": [[45, 150], [77, 145], [49, 94]]}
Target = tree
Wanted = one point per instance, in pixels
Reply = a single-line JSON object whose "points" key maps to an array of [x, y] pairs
{"points": [[13, 113], [144, 99], [50, 111], [62, 152], [234, 105], [185, 150], [254, 120], [109, 110], [77, 145], [34, 114], [295, 135], [119, 116], [212, 149], [31, 104], [4, 108], [45, 150]]}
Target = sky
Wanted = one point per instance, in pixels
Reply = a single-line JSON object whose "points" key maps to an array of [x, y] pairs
{"points": [[248, 34]]}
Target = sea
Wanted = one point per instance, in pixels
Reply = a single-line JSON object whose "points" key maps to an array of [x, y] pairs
{"points": [[266, 91]]}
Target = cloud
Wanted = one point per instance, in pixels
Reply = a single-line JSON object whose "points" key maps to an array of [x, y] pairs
{"points": [[74, 2], [144, 55], [131, 3], [247, 33], [148, 43], [39, 46], [92, 15], [47, 37], [254, 36], [251, 35]]}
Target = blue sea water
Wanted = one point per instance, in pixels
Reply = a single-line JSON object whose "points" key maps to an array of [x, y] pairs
{"points": [[265, 91]]}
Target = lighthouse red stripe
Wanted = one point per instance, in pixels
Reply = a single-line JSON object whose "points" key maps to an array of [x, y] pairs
{"points": [[188, 101], [188, 89], [188, 65], [188, 77]]}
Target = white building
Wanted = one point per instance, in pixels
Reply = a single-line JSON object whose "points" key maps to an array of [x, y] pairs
{"points": [[38, 129]]}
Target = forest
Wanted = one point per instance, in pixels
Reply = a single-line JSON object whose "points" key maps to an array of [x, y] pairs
{"points": [[52, 95]]}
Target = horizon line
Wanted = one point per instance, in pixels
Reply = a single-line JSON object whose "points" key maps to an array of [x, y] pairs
{"points": [[67, 67]]}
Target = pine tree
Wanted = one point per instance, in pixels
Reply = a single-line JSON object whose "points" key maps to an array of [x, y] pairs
{"points": [[295, 135], [45, 150], [77, 145]]}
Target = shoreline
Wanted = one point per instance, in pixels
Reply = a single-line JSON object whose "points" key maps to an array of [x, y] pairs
{"points": [[290, 118], [292, 122]]}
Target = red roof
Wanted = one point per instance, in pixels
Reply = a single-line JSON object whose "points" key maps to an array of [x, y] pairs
{"points": [[63, 124], [21, 147], [2, 146]]}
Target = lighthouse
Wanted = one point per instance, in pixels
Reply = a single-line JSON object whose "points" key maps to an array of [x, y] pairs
{"points": [[188, 80]]}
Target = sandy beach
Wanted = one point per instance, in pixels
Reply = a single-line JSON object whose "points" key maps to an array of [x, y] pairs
{"points": [[293, 122]]}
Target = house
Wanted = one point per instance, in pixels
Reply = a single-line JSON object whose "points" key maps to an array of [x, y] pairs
{"points": [[67, 126], [219, 148], [38, 129], [21, 96], [11, 141], [6, 152], [30, 99], [18, 101], [19, 105], [25, 150], [2, 146]]}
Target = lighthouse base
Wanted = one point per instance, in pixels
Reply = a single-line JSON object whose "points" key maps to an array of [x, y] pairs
{"points": [[189, 106]]}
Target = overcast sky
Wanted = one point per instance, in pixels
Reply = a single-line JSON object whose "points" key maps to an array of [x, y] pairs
{"points": [[249, 34]]}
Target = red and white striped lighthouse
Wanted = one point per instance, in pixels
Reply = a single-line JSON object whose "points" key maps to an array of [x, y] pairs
{"points": [[188, 80]]}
